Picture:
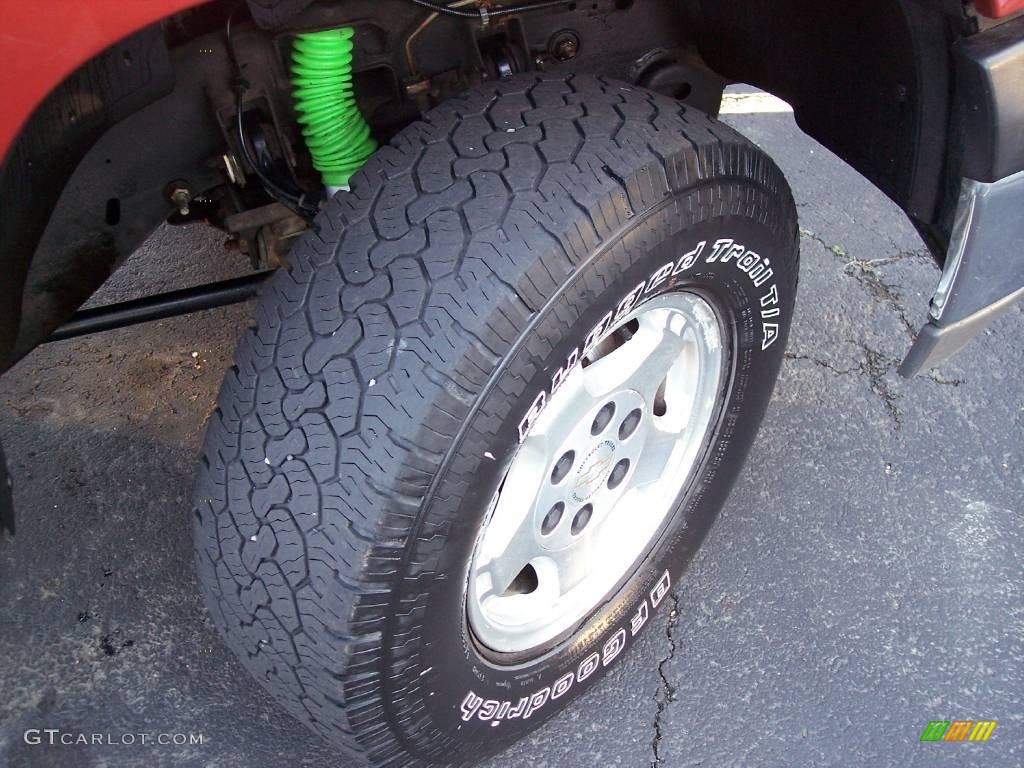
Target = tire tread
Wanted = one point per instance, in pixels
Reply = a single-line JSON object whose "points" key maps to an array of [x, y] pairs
{"points": [[369, 350]]}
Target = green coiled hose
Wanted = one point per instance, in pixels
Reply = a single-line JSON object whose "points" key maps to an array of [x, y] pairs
{"points": [[336, 134]]}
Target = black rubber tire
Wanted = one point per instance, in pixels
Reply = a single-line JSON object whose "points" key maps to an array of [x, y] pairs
{"points": [[347, 469]]}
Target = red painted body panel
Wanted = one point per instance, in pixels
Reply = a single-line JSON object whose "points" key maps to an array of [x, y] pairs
{"points": [[43, 41], [996, 9]]}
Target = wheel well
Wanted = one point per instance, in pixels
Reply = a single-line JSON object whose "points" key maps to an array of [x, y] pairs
{"points": [[869, 80], [123, 79]]}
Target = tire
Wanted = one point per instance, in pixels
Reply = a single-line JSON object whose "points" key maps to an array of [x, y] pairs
{"points": [[373, 411]]}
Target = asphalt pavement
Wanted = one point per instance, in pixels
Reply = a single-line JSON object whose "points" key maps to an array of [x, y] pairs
{"points": [[864, 579]]}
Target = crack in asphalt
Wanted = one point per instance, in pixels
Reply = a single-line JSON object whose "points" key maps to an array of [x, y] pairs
{"points": [[874, 367], [828, 366], [834, 248], [666, 692], [863, 271], [938, 379], [874, 364]]}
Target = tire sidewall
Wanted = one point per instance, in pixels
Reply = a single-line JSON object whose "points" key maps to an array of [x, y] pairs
{"points": [[462, 703]]}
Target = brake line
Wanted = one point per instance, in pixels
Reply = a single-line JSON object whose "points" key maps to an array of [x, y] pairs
{"points": [[297, 202], [484, 15], [430, 18]]}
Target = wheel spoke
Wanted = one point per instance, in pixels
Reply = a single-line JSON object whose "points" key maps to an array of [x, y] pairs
{"points": [[681, 383], [664, 337], [574, 563], [558, 422], [611, 371], [657, 450], [642, 362], [535, 603], [511, 542]]}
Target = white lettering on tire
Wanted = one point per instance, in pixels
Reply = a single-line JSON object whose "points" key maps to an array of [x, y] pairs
{"points": [[494, 712], [725, 250]]}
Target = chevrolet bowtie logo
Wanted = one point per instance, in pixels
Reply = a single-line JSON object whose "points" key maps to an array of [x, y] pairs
{"points": [[592, 473], [593, 470]]}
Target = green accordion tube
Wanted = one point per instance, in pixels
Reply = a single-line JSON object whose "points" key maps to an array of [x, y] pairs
{"points": [[336, 134]]}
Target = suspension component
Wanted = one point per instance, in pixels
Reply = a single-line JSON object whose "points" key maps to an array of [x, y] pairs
{"points": [[336, 134]]}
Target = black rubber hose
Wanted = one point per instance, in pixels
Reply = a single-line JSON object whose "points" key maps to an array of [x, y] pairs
{"points": [[296, 202], [487, 13]]}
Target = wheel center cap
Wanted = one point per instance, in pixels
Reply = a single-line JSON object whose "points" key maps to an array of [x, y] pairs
{"points": [[593, 470]]}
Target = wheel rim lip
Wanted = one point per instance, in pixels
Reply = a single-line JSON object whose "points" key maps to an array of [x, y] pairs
{"points": [[498, 631]]}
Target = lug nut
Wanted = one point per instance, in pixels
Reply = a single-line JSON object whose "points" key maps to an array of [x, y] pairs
{"points": [[629, 424], [562, 467], [602, 418], [582, 518], [618, 473], [552, 518]]}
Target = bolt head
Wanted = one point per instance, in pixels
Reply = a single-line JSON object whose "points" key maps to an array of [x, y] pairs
{"points": [[566, 49]]}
